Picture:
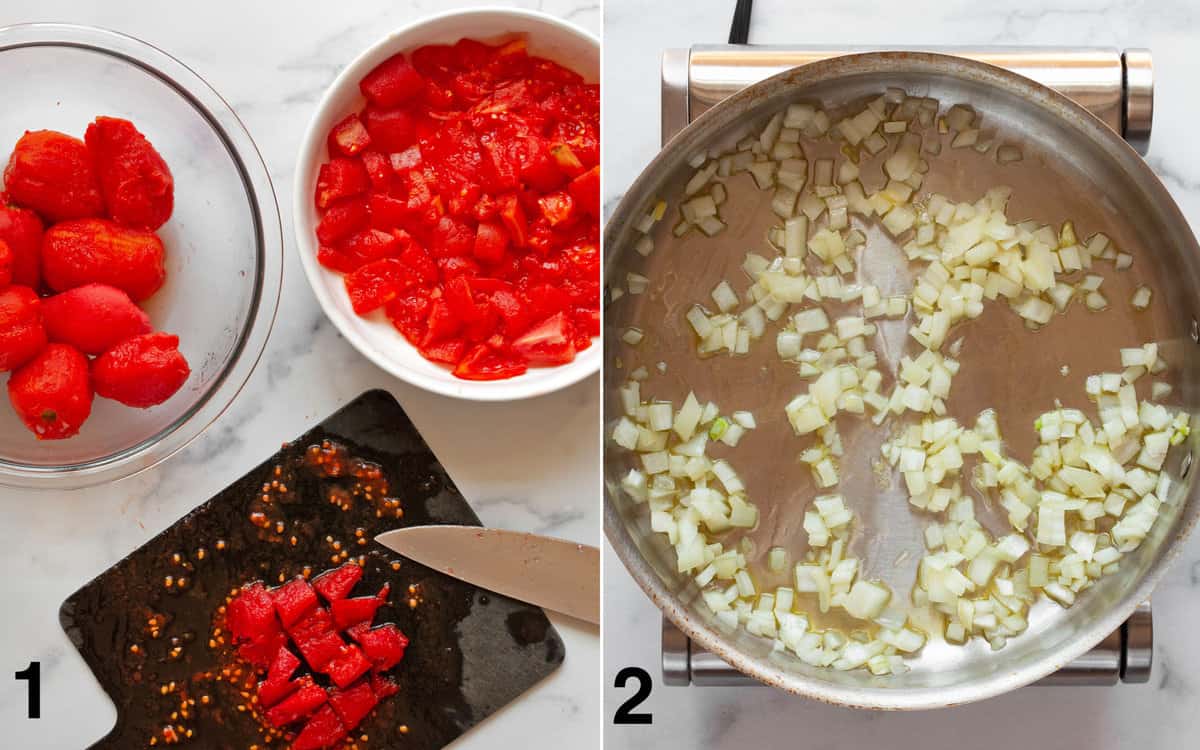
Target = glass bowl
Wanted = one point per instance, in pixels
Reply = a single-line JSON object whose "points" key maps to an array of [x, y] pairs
{"points": [[224, 240]]}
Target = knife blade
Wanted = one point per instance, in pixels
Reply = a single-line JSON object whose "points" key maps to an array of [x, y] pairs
{"points": [[553, 573]]}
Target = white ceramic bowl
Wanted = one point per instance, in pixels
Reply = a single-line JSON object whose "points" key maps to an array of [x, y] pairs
{"points": [[373, 335]]}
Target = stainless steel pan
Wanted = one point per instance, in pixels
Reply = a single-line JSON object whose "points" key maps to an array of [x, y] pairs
{"points": [[1074, 168]]}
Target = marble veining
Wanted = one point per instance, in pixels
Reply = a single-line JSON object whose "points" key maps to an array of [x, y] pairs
{"points": [[530, 465], [1159, 715]]}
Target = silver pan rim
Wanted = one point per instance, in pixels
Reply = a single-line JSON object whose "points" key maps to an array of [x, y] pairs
{"points": [[883, 698]]}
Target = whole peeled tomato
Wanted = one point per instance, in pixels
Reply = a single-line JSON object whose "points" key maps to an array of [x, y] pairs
{"points": [[52, 173], [22, 230], [6, 264], [52, 393], [93, 318], [100, 251], [134, 179], [22, 334], [142, 371]]}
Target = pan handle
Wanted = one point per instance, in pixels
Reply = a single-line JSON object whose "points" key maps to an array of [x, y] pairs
{"points": [[1116, 86], [1125, 656]]}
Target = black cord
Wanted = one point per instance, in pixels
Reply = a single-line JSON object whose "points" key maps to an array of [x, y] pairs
{"points": [[739, 30]]}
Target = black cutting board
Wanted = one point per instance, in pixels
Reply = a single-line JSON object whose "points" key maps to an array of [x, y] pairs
{"points": [[471, 651]]}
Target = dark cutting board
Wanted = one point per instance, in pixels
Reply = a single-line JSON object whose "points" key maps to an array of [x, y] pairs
{"points": [[471, 653]]}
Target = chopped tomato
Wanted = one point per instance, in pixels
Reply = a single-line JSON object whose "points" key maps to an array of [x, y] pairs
{"points": [[374, 285], [391, 130], [379, 170], [340, 178], [464, 198], [373, 244], [387, 213], [442, 323], [343, 219], [481, 363], [349, 137], [566, 158], [557, 207], [513, 217], [585, 189], [448, 352], [451, 237], [491, 241], [393, 82], [548, 343]]}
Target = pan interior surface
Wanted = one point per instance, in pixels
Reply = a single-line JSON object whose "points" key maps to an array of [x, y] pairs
{"points": [[1072, 169]]}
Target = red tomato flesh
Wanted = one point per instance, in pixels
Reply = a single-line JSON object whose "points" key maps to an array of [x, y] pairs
{"points": [[464, 200]]}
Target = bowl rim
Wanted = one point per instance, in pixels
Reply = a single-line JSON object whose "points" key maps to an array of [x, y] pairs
{"points": [[221, 391], [400, 40]]}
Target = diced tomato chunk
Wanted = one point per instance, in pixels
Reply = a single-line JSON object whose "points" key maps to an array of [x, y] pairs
{"points": [[513, 216], [481, 363], [373, 244], [383, 645], [387, 213], [550, 342], [458, 296], [340, 178], [349, 137], [451, 237], [279, 683], [293, 600], [421, 267], [324, 730], [557, 207], [408, 313], [392, 82], [316, 621], [339, 582], [374, 285], [261, 649], [392, 130], [512, 310], [379, 170], [348, 612], [544, 300], [566, 159], [539, 167], [354, 703], [448, 352], [491, 241], [442, 323], [348, 667], [343, 219], [307, 699], [335, 260], [383, 687], [251, 614], [585, 189], [409, 158]]}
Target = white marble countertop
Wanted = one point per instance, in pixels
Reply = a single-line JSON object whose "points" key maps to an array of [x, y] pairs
{"points": [[1162, 714], [271, 61]]}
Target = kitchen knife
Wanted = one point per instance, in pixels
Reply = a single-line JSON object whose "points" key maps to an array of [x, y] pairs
{"points": [[552, 573]]}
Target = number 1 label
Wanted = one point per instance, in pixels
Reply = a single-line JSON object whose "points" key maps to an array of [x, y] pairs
{"points": [[33, 675]]}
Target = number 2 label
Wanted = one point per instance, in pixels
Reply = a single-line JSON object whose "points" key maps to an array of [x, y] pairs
{"points": [[625, 713]]}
